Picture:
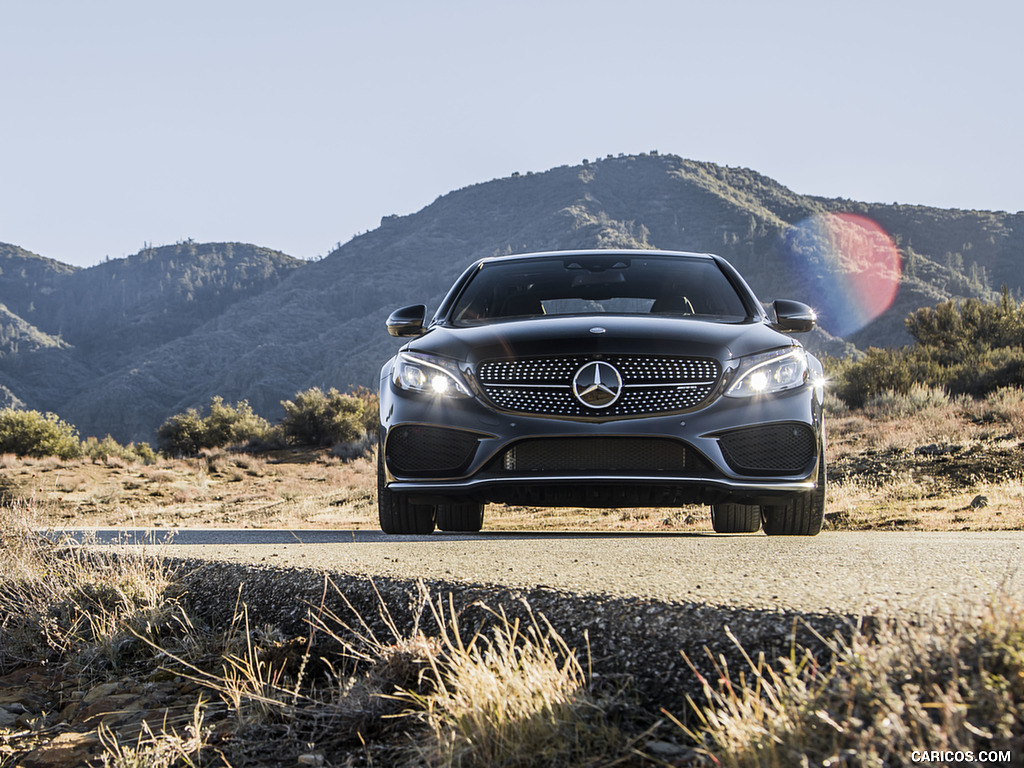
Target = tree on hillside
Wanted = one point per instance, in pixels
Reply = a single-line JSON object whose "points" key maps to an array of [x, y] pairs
{"points": [[959, 329]]}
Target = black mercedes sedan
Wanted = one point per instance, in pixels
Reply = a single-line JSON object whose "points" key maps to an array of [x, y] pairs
{"points": [[602, 379]]}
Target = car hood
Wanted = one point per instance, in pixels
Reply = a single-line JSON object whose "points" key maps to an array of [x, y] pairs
{"points": [[578, 335]]}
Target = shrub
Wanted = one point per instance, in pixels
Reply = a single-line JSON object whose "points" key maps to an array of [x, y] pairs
{"points": [[144, 451], [919, 397], [108, 447], [319, 418], [966, 348], [1005, 406], [964, 329], [899, 370], [31, 433], [185, 434], [371, 410], [226, 425]]}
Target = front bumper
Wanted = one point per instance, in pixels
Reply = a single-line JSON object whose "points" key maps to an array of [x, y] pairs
{"points": [[715, 465]]}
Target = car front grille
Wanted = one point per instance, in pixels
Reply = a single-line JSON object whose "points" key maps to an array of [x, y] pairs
{"points": [[421, 450], [772, 448], [649, 385], [608, 455]]}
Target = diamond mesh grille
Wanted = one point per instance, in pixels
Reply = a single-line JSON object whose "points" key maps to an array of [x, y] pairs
{"points": [[651, 385]]}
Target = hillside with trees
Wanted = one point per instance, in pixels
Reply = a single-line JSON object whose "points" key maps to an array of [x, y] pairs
{"points": [[169, 328]]}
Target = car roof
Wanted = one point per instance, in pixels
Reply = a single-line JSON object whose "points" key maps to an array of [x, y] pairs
{"points": [[596, 252]]}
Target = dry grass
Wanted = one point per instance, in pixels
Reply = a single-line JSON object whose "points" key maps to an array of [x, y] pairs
{"points": [[906, 503], [166, 749], [893, 688], [513, 696], [298, 489], [70, 599], [499, 695]]}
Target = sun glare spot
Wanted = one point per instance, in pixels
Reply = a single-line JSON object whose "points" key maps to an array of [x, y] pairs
{"points": [[853, 264]]}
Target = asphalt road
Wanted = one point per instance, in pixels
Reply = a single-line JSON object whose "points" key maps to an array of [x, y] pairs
{"points": [[849, 572]]}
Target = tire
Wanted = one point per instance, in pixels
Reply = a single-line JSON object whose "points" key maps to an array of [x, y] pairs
{"points": [[803, 516], [394, 511], [735, 518], [462, 516]]}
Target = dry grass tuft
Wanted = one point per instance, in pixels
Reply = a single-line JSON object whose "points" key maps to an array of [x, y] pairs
{"points": [[514, 696], [891, 688], [157, 750], [63, 600]]}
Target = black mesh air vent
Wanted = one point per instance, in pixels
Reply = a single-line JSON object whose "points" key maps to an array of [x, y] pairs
{"points": [[774, 448], [429, 450], [602, 455]]}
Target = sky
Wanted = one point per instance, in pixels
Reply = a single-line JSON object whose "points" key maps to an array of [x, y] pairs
{"points": [[298, 125]]}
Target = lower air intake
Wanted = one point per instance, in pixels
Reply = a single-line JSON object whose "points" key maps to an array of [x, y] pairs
{"points": [[416, 450], [602, 455], [787, 448]]}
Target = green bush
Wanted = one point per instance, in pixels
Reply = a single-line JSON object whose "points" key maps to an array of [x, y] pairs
{"points": [[314, 418], [31, 433], [108, 447], [965, 348], [185, 434], [320, 418], [226, 425], [960, 330], [371, 410]]}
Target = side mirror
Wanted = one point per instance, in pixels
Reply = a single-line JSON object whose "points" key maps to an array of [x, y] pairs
{"points": [[793, 316], [407, 321]]}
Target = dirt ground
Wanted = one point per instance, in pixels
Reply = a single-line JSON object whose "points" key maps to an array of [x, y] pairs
{"points": [[940, 472]]}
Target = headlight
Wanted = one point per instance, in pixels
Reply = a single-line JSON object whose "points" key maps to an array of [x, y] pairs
{"points": [[768, 373], [429, 375]]}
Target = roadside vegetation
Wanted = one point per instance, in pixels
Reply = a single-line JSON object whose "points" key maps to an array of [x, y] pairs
{"points": [[314, 418], [345, 422], [103, 658]]}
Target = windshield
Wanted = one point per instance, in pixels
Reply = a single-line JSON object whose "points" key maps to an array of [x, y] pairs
{"points": [[631, 285]]}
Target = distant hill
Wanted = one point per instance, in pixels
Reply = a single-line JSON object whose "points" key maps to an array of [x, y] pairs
{"points": [[122, 345], [63, 329]]}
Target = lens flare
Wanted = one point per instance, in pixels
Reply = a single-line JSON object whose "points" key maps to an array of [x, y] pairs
{"points": [[852, 264]]}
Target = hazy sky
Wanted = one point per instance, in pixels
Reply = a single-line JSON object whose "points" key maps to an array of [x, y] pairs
{"points": [[297, 125]]}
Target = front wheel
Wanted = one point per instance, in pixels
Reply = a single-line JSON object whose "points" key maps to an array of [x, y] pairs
{"points": [[462, 516], [396, 514], [803, 516], [735, 518]]}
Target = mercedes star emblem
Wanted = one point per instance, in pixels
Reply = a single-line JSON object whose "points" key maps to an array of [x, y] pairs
{"points": [[597, 384]]}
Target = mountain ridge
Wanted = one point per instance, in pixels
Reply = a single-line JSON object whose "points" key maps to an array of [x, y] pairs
{"points": [[262, 326]]}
